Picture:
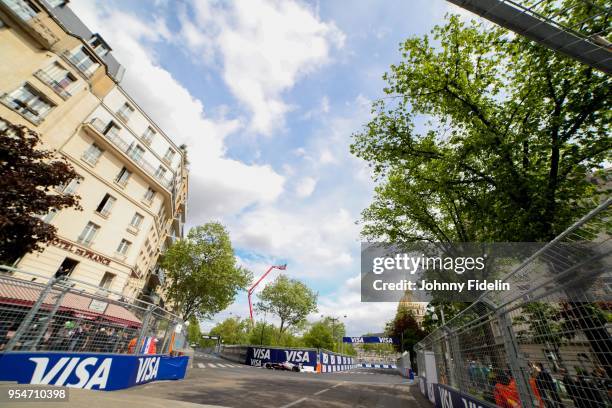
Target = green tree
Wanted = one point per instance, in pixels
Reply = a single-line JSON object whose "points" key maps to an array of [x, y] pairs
{"points": [[405, 329], [319, 335], [289, 299], [194, 335], [232, 330], [202, 270], [486, 137], [29, 175]]}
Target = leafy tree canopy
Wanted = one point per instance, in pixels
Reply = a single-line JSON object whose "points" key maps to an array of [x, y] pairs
{"points": [[29, 175], [319, 335], [289, 299], [203, 273], [486, 136], [232, 330]]}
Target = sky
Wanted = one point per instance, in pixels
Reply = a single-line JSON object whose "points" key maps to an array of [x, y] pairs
{"points": [[266, 95]]}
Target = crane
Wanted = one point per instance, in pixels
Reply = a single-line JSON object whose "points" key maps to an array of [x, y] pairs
{"points": [[252, 288]]}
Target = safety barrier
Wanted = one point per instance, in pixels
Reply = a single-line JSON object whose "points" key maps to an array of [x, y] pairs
{"points": [[548, 343], [85, 331], [315, 360], [97, 371]]}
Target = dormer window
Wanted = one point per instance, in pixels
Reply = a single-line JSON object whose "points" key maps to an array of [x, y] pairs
{"points": [[99, 45]]}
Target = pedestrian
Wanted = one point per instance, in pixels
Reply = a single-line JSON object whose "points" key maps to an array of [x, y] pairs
{"points": [[546, 387]]}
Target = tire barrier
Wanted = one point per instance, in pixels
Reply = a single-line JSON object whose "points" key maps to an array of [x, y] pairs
{"points": [[97, 371]]}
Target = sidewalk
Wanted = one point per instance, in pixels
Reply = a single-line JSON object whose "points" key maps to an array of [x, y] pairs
{"points": [[97, 399]]}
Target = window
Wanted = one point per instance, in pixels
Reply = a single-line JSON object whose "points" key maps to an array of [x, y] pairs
{"points": [[136, 152], [160, 213], [106, 205], [125, 112], [160, 172], [136, 220], [124, 247], [83, 61], [111, 129], [88, 234], [107, 280], [56, 3], [92, 154], [69, 188], [99, 45], [28, 102], [169, 155], [123, 177], [49, 216], [57, 78], [24, 9], [148, 135], [66, 268], [148, 197]]}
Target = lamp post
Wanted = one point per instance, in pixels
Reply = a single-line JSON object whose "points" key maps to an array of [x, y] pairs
{"points": [[334, 320]]}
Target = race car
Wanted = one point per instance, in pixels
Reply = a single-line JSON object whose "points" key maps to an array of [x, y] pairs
{"points": [[285, 366]]}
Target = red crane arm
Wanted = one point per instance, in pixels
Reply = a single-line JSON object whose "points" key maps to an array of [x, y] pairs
{"points": [[250, 291]]}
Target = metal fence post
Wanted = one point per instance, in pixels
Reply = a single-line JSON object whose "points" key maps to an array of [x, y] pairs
{"points": [[27, 321], [515, 359], [144, 328], [51, 315]]}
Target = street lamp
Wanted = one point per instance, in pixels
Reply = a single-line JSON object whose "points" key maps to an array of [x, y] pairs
{"points": [[334, 320]]}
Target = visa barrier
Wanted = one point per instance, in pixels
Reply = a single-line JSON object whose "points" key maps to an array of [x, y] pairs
{"points": [[373, 365], [316, 360], [333, 362], [97, 371]]}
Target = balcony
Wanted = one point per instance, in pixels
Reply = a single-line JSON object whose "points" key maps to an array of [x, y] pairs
{"points": [[22, 108], [125, 147], [53, 84], [28, 15]]}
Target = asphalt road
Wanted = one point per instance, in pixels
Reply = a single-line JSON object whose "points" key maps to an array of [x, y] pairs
{"points": [[215, 381]]}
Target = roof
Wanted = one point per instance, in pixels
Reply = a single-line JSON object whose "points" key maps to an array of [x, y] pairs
{"points": [[69, 20]]}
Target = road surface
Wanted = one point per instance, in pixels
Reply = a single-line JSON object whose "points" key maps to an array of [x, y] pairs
{"points": [[215, 381]]}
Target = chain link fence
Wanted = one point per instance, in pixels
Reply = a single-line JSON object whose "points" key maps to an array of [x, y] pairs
{"points": [[546, 344], [39, 313]]}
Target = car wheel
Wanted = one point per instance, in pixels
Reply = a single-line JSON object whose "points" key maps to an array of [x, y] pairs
{"points": [[296, 369]]}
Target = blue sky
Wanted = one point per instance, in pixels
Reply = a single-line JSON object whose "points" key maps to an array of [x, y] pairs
{"points": [[266, 95]]}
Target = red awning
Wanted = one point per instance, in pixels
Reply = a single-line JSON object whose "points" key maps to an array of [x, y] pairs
{"points": [[25, 294]]}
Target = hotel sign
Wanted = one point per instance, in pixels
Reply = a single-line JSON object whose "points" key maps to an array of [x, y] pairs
{"points": [[77, 250]]}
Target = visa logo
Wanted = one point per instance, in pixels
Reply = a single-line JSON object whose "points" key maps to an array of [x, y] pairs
{"points": [[66, 366], [356, 339], [385, 340], [297, 356], [147, 369], [261, 354], [446, 397]]}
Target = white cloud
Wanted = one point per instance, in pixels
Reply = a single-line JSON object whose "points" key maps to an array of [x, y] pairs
{"points": [[218, 185], [265, 47], [305, 187]]}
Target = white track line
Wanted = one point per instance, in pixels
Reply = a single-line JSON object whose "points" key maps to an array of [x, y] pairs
{"points": [[294, 402], [211, 365], [200, 365], [322, 391]]}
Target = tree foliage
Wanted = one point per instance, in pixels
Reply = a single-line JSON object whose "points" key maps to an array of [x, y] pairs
{"points": [[203, 273], [232, 330], [405, 329], [29, 175], [289, 299], [485, 136], [319, 335]]}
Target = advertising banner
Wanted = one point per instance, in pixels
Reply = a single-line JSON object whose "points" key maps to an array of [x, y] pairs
{"points": [[332, 362], [90, 370], [258, 356], [447, 397], [370, 340]]}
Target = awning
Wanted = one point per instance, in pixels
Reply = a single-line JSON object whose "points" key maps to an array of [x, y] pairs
{"points": [[26, 294]]}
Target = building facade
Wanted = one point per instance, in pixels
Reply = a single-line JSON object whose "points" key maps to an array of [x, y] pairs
{"points": [[62, 81]]}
